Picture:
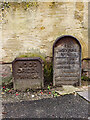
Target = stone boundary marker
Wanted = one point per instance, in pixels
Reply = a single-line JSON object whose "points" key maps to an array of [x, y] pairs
{"points": [[86, 67], [66, 61], [27, 73]]}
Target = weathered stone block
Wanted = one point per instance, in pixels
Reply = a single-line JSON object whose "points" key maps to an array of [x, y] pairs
{"points": [[66, 61], [27, 73], [86, 67], [5, 74]]}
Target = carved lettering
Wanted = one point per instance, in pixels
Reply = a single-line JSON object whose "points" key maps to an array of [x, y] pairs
{"points": [[28, 73], [66, 60]]}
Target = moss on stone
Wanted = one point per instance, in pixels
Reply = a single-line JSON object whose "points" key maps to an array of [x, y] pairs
{"points": [[48, 66]]}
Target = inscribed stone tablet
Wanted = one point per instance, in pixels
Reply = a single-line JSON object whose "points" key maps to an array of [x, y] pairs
{"points": [[27, 73], [66, 61]]}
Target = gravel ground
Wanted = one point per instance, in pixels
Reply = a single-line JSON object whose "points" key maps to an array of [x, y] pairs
{"points": [[67, 106], [19, 96], [26, 96]]}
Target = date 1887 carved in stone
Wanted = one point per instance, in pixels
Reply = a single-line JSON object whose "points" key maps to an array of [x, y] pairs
{"points": [[66, 61], [27, 73]]}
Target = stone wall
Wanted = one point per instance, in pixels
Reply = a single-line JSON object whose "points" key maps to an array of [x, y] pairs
{"points": [[36, 25]]}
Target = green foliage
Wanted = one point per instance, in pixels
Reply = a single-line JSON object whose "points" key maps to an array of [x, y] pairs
{"points": [[55, 94], [48, 87], [84, 77], [6, 89], [48, 72]]}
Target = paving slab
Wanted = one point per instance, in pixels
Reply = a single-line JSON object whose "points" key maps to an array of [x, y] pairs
{"points": [[68, 89], [85, 94]]}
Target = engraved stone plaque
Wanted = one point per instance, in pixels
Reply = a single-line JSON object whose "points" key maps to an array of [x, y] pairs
{"points": [[27, 73], [66, 61]]}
